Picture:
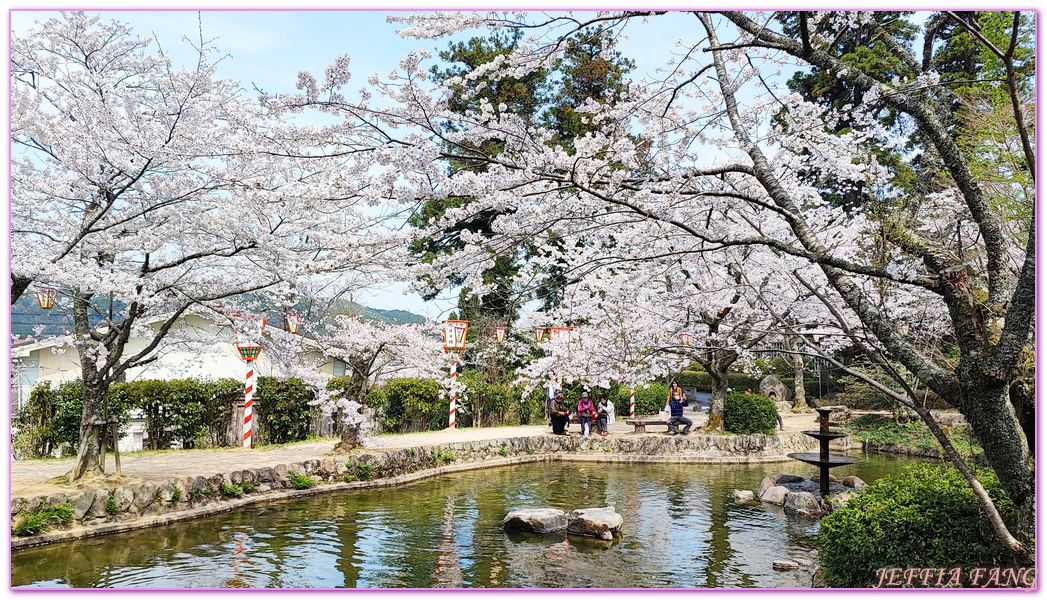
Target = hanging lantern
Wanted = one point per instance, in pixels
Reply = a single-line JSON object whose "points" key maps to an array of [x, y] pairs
{"points": [[454, 335], [46, 298], [556, 333], [294, 321], [499, 333], [686, 339], [247, 343], [539, 333]]}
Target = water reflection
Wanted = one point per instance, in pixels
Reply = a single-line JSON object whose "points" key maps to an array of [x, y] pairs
{"points": [[681, 530]]}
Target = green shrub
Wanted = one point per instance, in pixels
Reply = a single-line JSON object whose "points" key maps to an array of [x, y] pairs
{"points": [[413, 404], [703, 382], [284, 412], [176, 495], [300, 481], [530, 409], [649, 400], [926, 517], [749, 413], [110, 505], [50, 420]]}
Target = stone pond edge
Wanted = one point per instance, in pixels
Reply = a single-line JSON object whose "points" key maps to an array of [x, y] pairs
{"points": [[574, 449]]}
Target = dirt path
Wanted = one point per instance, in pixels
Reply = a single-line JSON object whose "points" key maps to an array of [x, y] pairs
{"points": [[35, 477]]}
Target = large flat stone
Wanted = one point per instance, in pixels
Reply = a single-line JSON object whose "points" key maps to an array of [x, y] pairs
{"points": [[775, 495], [82, 503], [601, 523], [538, 520]]}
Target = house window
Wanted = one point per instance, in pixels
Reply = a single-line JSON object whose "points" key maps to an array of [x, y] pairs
{"points": [[338, 368]]}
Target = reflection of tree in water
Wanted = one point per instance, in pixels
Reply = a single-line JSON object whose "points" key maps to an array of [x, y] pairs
{"points": [[681, 529], [448, 572]]}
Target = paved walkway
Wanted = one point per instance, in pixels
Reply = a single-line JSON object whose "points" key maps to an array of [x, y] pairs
{"points": [[35, 477]]}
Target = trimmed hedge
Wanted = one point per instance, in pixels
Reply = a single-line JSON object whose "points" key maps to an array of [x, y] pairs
{"points": [[284, 412], [704, 382], [926, 517], [650, 400], [749, 413]]}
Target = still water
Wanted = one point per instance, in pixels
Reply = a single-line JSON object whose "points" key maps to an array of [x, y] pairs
{"points": [[681, 530]]}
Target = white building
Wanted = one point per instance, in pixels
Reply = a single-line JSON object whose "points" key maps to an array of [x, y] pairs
{"points": [[196, 347]]}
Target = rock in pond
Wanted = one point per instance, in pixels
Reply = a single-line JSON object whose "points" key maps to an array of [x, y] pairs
{"points": [[743, 496], [854, 481], [775, 495], [804, 503], [601, 523], [538, 520]]}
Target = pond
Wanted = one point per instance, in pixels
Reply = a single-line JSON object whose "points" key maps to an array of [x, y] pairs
{"points": [[681, 530]]}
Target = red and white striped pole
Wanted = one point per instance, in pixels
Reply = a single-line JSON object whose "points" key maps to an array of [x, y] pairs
{"points": [[632, 401], [454, 342], [248, 401], [454, 375]]}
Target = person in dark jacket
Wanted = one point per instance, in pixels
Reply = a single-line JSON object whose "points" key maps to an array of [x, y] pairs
{"points": [[558, 414], [676, 414]]}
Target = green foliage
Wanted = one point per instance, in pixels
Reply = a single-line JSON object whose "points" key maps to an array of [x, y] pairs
{"points": [[41, 521], [187, 411], [883, 431], [110, 505], [50, 420], [300, 481], [649, 400], [361, 470], [749, 413], [198, 494], [413, 404], [531, 411], [926, 517], [503, 451], [439, 455], [176, 495], [703, 382], [235, 491], [284, 413]]}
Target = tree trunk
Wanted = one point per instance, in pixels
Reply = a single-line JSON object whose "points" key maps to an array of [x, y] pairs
{"points": [[352, 436], [88, 456], [985, 403], [799, 393], [719, 399]]}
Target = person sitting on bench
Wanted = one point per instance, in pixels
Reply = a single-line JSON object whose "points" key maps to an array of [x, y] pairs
{"points": [[676, 411]]}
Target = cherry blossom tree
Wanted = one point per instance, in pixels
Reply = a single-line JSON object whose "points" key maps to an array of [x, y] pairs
{"points": [[714, 150], [371, 351], [142, 191]]}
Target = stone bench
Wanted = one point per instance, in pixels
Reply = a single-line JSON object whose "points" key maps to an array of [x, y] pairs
{"points": [[640, 425]]}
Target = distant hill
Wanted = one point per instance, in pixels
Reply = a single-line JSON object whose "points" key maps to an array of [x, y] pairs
{"points": [[398, 317], [27, 314]]}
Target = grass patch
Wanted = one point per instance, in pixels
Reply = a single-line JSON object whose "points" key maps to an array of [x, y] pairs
{"points": [[40, 521], [232, 491], [882, 431], [300, 481]]}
